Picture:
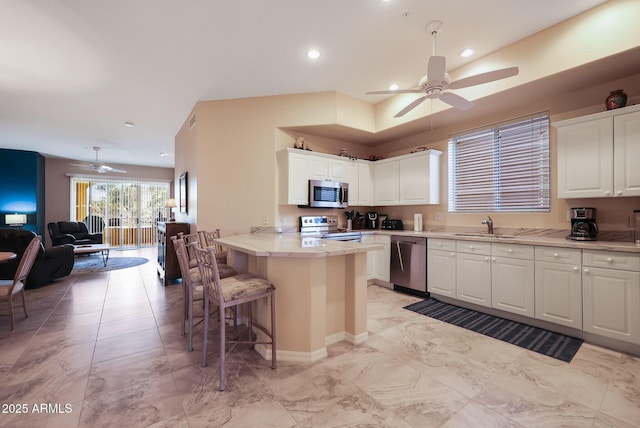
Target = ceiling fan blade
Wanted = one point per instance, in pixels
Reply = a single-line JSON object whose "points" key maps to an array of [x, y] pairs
{"points": [[397, 91], [456, 101], [436, 68], [481, 78], [81, 165], [106, 168], [411, 106]]}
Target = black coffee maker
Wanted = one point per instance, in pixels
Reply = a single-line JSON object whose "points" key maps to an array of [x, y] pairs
{"points": [[583, 224], [371, 221]]}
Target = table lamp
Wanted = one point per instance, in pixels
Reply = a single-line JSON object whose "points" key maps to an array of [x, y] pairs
{"points": [[171, 204], [15, 220]]}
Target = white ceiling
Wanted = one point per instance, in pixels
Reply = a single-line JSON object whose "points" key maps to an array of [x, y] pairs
{"points": [[72, 72]]}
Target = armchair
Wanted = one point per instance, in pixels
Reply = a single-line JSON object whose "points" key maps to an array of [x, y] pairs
{"points": [[51, 263], [72, 232]]}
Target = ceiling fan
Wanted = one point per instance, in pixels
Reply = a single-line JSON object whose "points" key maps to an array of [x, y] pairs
{"points": [[436, 83], [99, 167]]}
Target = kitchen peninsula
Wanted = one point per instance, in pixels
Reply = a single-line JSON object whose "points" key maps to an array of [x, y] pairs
{"points": [[321, 289]]}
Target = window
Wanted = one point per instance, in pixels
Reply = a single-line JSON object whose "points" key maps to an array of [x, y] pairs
{"points": [[125, 211], [505, 168]]}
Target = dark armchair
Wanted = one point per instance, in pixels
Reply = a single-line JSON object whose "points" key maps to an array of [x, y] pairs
{"points": [[72, 232], [51, 263]]}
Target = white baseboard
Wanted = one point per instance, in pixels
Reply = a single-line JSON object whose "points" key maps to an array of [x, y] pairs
{"points": [[294, 356]]}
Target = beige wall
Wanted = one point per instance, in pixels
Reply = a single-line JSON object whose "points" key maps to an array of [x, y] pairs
{"points": [[236, 167], [231, 151], [58, 190]]}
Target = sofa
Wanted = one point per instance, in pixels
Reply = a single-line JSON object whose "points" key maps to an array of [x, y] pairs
{"points": [[51, 263], [72, 232]]}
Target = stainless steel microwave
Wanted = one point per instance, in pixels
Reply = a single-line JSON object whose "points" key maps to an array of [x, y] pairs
{"points": [[328, 194]]}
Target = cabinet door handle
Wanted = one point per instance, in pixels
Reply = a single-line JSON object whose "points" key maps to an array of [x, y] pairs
{"points": [[575, 268], [493, 259], [586, 270], [619, 193], [453, 254], [400, 256], [609, 259], [509, 250], [607, 193], [471, 247], [555, 254], [486, 259]]}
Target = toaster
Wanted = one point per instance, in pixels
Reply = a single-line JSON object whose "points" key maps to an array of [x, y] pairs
{"points": [[392, 224]]}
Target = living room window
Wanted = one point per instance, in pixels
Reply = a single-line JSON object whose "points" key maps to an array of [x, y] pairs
{"points": [[126, 212], [504, 168]]}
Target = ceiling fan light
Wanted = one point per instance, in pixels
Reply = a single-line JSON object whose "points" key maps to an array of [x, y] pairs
{"points": [[465, 53]]}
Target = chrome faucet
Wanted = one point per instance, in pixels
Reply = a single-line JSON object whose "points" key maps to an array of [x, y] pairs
{"points": [[489, 224]]}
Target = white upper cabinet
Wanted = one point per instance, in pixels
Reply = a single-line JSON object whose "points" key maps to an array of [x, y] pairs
{"points": [[293, 177], [386, 176], [360, 183], [419, 179], [412, 179], [596, 154], [323, 168], [354, 182], [626, 154], [365, 183]]}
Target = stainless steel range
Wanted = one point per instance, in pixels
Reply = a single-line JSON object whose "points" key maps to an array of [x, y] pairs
{"points": [[326, 227]]}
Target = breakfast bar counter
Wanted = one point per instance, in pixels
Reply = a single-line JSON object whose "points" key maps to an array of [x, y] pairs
{"points": [[321, 289]]}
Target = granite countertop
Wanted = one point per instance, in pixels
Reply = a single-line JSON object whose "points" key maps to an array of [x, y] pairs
{"points": [[611, 241], [266, 243]]}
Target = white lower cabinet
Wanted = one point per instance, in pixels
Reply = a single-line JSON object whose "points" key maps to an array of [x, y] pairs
{"points": [[596, 291], [473, 272], [441, 267], [378, 262], [558, 286], [512, 279], [611, 287]]}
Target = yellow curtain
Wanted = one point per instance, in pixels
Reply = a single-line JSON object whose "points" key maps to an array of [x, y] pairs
{"points": [[82, 200]]}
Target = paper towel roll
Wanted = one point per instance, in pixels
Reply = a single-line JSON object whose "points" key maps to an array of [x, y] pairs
{"points": [[417, 222]]}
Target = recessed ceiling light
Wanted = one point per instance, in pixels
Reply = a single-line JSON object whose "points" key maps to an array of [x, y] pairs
{"points": [[129, 124], [467, 52], [313, 54], [394, 87]]}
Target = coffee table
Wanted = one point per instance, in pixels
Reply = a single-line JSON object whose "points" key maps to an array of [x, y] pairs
{"points": [[94, 248]]}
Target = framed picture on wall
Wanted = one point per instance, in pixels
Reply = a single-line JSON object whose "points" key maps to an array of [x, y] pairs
{"points": [[183, 197]]}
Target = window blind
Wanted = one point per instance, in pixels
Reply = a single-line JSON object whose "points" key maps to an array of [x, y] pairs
{"points": [[504, 168]]}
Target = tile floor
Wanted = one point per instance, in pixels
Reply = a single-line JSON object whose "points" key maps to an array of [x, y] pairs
{"points": [[104, 350]]}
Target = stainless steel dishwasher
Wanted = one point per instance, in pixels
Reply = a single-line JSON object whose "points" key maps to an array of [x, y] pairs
{"points": [[409, 264]]}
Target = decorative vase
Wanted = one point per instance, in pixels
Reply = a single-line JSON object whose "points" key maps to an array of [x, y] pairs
{"points": [[616, 99]]}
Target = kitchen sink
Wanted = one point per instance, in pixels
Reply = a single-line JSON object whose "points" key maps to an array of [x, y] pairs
{"points": [[486, 235]]}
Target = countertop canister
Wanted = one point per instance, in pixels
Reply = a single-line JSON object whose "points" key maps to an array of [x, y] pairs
{"points": [[417, 222]]}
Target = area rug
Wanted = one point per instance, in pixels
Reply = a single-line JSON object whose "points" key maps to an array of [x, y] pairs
{"points": [[535, 339], [94, 263]]}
